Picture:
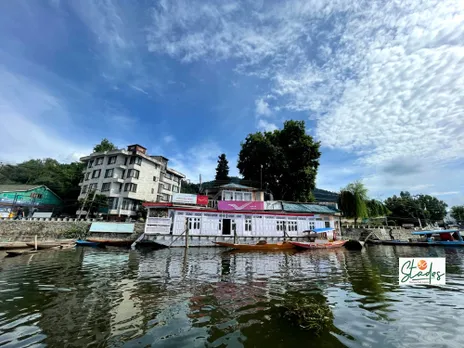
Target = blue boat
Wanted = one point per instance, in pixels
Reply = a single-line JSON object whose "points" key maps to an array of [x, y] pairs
{"points": [[430, 238], [80, 242]]}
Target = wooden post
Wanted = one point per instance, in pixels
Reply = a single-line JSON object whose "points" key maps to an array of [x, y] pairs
{"points": [[187, 233], [35, 242], [235, 233]]}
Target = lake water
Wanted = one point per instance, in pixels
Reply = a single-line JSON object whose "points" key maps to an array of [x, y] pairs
{"points": [[208, 297]]}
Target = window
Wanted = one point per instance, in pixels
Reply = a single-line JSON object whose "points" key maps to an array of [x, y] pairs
{"points": [[125, 161], [127, 204], [280, 225], [167, 187], [167, 176], [311, 225], [112, 159], [84, 189], [154, 178], [152, 191], [99, 161], [133, 173], [136, 160], [36, 195], [123, 173], [92, 187], [194, 223], [96, 173], [87, 176], [175, 188], [113, 203], [130, 187], [106, 186], [247, 196], [248, 225], [90, 164], [159, 198], [109, 173], [327, 224], [292, 226], [228, 196], [238, 196]]}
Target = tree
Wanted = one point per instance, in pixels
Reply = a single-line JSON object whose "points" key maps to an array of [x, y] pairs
{"points": [[188, 187], [105, 145], [222, 169], [410, 209], [285, 161], [352, 201], [457, 213], [94, 203]]}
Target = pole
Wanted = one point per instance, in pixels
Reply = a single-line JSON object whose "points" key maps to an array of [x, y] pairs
{"points": [[187, 233], [261, 177], [35, 242]]}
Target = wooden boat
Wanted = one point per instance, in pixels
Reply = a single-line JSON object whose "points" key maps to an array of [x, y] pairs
{"points": [[313, 245], [80, 242], [109, 242], [20, 252], [12, 245], [44, 245], [258, 246]]}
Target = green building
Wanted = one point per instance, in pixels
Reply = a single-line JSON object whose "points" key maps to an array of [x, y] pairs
{"points": [[39, 198]]}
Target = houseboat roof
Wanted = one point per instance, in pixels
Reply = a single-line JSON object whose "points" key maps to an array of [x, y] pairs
{"points": [[434, 232], [308, 208], [237, 186]]}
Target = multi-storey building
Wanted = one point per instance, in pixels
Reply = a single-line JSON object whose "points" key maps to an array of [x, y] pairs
{"points": [[129, 177]]}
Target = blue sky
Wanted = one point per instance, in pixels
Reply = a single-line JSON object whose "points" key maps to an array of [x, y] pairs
{"points": [[379, 83]]}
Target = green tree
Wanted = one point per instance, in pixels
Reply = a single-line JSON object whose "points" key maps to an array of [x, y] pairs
{"points": [[222, 169], [286, 160], [352, 201], [105, 145], [457, 213], [94, 203], [188, 187]]}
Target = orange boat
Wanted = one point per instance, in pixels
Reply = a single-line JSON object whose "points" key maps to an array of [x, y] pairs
{"points": [[258, 246], [311, 245]]}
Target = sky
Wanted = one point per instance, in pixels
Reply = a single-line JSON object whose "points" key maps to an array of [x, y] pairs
{"points": [[379, 83]]}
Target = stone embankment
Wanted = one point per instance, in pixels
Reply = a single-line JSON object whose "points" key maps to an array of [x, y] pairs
{"points": [[384, 233], [55, 230]]}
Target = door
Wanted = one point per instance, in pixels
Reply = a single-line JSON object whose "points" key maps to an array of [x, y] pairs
{"points": [[226, 226]]}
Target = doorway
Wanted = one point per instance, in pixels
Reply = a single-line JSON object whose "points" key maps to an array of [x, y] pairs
{"points": [[226, 226]]}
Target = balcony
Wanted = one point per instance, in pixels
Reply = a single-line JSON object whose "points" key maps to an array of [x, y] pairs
{"points": [[117, 178]]}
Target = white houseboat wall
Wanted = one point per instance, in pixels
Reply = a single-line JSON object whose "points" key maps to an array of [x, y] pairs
{"points": [[180, 226]]}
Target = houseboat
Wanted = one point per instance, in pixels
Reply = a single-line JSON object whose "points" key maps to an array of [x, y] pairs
{"points": [[234, 214]]}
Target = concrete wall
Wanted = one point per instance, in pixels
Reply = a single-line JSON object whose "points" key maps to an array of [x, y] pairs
{"points": [[25, 230]]}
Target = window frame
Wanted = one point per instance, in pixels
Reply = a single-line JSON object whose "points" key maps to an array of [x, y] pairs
{"points": [[106, 184], [96, 171], [110, 159], [108, 171]]}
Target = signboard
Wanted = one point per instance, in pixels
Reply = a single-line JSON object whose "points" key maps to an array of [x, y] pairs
{"points": [[185, 198], [202, 200], [241, 205]]}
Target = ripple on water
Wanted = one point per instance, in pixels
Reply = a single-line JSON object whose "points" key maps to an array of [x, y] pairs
{"points": [[172, 298]]}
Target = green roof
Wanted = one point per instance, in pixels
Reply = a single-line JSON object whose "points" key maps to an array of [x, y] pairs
{"points": [[308, 208], [17, 187]]}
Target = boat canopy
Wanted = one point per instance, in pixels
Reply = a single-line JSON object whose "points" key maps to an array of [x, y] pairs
{"points": [[322, 230], [434, 232]]}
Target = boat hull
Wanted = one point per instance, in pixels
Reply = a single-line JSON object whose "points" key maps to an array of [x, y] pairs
{"points": [[20, 252], [42, 246], [424, 244], [328, 245], [268, 246], [89, 244], [116, 243]]}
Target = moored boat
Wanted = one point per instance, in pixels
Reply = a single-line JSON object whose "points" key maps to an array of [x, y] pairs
{"points": [[111, 242], [258, 246], [89, 244], [429, 238], [44, 245], [314, 245], [20, 252]]}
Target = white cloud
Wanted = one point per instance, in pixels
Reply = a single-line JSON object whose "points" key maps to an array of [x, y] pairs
{"points": [[29, 114], [262, 108], [383, 80], [266, 126], [201, 159], [168, 139]]}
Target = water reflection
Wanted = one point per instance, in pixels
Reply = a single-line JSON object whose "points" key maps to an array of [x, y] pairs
{"points": [[209, 297]]}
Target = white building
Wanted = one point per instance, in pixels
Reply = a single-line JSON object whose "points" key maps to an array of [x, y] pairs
{"points": [[129, 177]]}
